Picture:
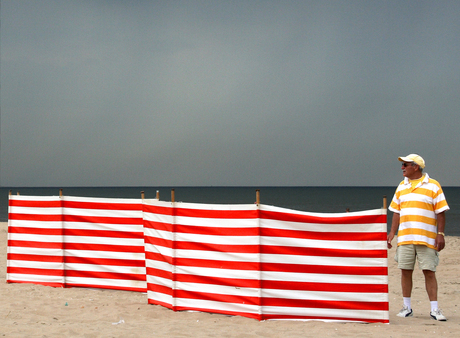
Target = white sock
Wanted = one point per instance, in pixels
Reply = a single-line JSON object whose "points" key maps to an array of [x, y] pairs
{"points": [[434, 305], [406, 301]]}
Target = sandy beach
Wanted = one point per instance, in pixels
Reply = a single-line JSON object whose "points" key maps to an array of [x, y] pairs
{"points": [[29, 310]]}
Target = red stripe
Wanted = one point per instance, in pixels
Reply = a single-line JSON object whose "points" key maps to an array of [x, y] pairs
{"points": [[329, 236], [54, 285], [276, 285], [323, 252], [102, 205], [326, 269], [154, 209], [159, 273], [216, 297], [105, 261], [202, 246], [104, 233], [325, 304], [323, 318], [109, 287], [36, 231], [357, 219], [105, 275], [159, 288], [35, 204], [158, 257], [208, 263], [31, 244], [224, 312], [35, 271], [35, 258], [102, 220], [104, 247], [76, 260], [158, 226], [216, 231], [225, 214], [35, 217], [158, 241]]}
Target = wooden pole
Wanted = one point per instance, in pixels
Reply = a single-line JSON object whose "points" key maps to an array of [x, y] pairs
{"points": [[18, 193], [142, 195], [11, 192], [257, 196], [172, 196], [384, 201], [158, 194], [60, 193]]}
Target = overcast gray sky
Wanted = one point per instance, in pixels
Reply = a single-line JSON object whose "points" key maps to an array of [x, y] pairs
{"points": [[227, 93]]}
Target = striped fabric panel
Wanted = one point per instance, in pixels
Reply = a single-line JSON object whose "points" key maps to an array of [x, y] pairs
{"points": [[104, 243], [35, 240], [337, 271], [268, 262], [76, 241]]}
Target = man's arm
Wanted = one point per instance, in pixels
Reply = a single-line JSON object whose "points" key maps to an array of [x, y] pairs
{"points": [[440, 241], [394, 228]]}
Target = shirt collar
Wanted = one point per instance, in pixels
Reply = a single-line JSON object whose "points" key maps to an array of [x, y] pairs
{"points": [[425, 180]]}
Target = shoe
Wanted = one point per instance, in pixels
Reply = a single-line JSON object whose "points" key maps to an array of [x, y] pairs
{"points": [[437, 315], [405, 312]]}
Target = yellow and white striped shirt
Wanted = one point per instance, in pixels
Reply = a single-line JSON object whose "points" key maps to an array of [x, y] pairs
{"points": [[417, 207]]}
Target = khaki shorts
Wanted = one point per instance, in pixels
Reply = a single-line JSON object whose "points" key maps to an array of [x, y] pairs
{"points": [[428, 258]]}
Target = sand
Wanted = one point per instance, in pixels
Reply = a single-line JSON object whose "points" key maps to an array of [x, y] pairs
{"points": [[29, 310]]}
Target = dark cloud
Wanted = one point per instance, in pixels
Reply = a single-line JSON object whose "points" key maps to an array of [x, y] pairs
{"points": [[227, 93]]}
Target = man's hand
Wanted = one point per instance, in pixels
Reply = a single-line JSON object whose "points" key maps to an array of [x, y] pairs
{"points": [[389, 239], [440, 242]]}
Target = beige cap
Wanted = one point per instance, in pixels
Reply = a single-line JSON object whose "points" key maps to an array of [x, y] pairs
{"points": [[417, 159]]}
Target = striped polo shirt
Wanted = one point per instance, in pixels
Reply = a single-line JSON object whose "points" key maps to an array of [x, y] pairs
{"points": [[417, 208]]}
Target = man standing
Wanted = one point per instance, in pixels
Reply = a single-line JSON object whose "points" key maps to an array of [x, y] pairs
{"points": [[419, 207]]}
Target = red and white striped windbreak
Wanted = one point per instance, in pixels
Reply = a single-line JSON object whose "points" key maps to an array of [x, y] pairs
{"points": [[266, 262], [76, 241]]}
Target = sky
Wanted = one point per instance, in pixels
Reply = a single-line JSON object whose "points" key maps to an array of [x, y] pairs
{"points": [[227, 93]]}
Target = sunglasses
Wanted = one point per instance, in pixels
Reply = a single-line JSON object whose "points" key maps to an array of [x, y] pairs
{"points": [[406, 164]]}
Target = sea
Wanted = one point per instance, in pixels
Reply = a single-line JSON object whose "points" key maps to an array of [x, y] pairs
{"points": [[311, 199]]}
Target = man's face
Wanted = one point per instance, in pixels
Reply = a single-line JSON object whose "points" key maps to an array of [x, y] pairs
{"points": [[409, 169]]}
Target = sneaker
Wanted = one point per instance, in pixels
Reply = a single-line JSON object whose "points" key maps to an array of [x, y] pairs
{"points": [[405, 312], [437, 315]]}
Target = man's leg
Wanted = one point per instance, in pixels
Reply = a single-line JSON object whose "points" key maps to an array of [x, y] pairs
{"points": [[406, 282], [431, 285]]}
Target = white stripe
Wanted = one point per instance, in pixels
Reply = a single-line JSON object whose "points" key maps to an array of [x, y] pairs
{"points": [[218, 240], [216, 305], [324, 278], [168, 252], [35, 264], [326, 261], [19, 277], [326, 296], [323, 244], [103, 200], [35, 224], [126, 283], [316, 227], [320, 312], [103, 213], [104, 240], [34, 251], [104, 254], [35, 238], [219, 273], [101, 226], [160, 297], [35, 210]]}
